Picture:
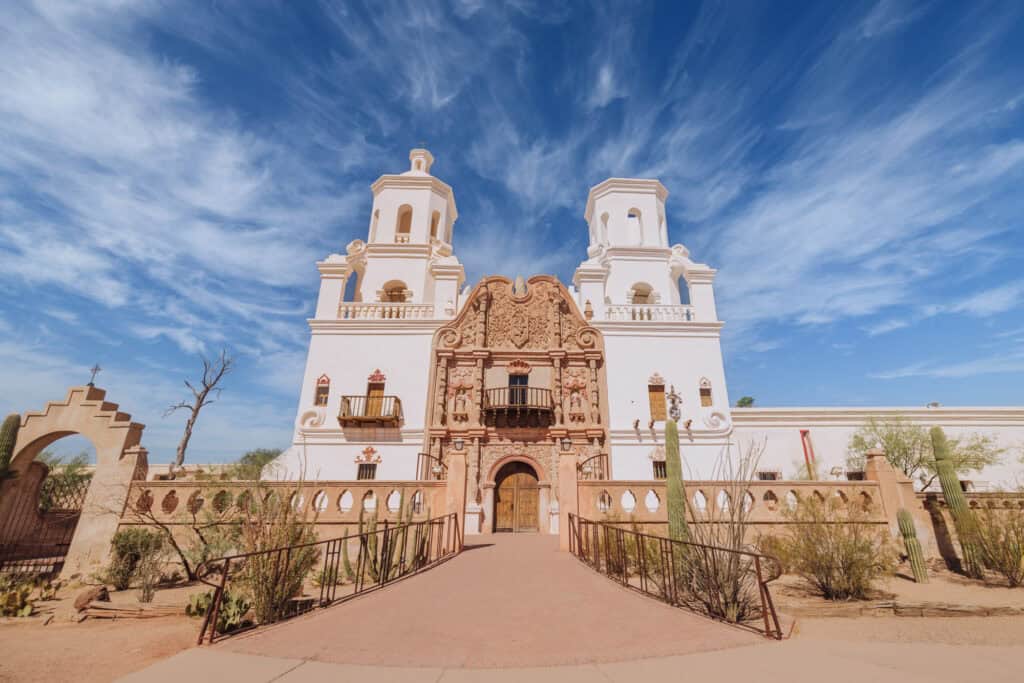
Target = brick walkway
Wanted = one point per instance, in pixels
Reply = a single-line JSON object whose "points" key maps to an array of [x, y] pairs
{"points": [[508, 601]]}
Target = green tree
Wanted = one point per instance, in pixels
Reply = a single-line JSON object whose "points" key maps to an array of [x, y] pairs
{"points": [[66, 483], [745, 402], [908, 447], [250, 465]]}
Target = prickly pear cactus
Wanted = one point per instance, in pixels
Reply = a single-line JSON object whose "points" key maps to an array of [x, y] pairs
{"points": [[914, 552], [953, 493]]}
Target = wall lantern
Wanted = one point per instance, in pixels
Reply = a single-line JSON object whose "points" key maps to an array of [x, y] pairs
{"points": [[458, 443], [566, 443]]}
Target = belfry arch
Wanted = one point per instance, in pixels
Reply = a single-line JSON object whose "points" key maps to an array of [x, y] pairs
{"points": [[120, 459]]}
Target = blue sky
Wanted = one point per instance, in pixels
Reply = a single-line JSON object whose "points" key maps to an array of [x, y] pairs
{"points": [[169, 174]]}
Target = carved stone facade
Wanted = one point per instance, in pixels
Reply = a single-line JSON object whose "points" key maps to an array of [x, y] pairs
{"points": [[519, 374]]}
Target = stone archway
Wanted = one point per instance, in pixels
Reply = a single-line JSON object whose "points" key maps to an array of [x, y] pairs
{"points": [[516, 484], [120, 459]]}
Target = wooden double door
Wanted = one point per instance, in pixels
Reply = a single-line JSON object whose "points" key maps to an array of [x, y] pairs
{"points": [[516, 498]]}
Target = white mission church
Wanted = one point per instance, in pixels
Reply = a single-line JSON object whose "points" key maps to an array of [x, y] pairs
{"points": [[408, 364]]}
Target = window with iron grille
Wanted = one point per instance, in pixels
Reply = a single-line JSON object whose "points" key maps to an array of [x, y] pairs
{"points": [[659, 469], [322, 393], [367, 471], [764, 475], [855, 476]]}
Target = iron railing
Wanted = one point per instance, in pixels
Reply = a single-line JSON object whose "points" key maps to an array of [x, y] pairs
{"points": [[380, 557], [430, 468], [722, 583], [377, 409], [594, 468], [518, 398]]}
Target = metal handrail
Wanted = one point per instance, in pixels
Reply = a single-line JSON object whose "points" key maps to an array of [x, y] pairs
{"points": [[434, 540], [600, 465], [666, 573], [517, 398], [430, 468]]}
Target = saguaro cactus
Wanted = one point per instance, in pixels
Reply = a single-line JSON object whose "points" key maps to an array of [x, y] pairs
{"points": [[953, 494], [914, 552], [675, 493], [8, 437]]}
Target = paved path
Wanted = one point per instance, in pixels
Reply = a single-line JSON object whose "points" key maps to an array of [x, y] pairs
{"points": [[793, 661], [513, 600]]}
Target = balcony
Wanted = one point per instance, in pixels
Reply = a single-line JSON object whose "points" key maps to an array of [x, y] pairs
{"points": [[518, 407], [654, 312], [384, 310], [360, 411]]}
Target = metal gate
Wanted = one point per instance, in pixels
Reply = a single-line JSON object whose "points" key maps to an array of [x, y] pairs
{"points": [[35, 536]]}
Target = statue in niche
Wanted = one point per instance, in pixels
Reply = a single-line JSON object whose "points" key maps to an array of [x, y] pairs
{"points": [[576, 413], [461, 411]]}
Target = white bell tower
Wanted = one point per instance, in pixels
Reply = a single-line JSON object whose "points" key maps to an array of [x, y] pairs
{"points": [[407, 258], [656, 310]]}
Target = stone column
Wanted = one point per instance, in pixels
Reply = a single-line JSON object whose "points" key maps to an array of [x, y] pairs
{"points": [[568, 497], [455, 491], [102, 509], [333, 274], [896, 491]]}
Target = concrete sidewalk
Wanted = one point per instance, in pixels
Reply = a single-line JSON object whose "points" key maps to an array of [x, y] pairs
{"points": [[793, 661]]}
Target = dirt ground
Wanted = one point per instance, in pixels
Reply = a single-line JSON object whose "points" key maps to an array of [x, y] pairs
{"points": [[990, 631], [943, 586], [94, 650]]}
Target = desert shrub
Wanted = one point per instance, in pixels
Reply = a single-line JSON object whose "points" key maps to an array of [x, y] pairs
{"points": [[1000, 536], [130, 547], [771, 545], [233, 613], [328, 577], [272, 579], [834, 548]]}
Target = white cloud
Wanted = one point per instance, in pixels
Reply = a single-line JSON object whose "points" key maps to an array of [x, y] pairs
{"points": [[886, 326]]}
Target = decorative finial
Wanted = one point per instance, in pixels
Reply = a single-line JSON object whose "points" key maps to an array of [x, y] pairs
{"points": [[673, 404], [95, 370]]}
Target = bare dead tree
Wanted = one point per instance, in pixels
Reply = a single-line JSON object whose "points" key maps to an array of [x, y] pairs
{"points": [[207, 392]]}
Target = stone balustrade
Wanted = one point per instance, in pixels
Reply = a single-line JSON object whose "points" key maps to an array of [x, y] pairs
{"points": [[327, 503], [382, 310], [652, 312], [767, 501]]}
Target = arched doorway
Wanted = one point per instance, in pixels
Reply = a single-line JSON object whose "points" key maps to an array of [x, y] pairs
{"points": [[516, 498]]}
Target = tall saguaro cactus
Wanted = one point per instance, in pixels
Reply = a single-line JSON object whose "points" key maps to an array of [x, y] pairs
{"points": [[8, 437], [953, 494], [914, 552], [675, 493]]}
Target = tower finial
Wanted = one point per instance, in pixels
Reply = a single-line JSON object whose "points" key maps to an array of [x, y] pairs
{"points": [[420, 160]]}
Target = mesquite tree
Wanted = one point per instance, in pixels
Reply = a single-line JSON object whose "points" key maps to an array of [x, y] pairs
{"points": [[203, 394]]}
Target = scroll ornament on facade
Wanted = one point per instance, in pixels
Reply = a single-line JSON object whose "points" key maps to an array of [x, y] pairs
{"points": [[369, 456]]}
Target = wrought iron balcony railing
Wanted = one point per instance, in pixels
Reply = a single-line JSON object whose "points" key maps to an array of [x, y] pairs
{"points": [[383, 410], [518, 399]]}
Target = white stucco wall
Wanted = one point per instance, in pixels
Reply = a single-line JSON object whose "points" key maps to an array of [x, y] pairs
{"points": [[831, 429]]}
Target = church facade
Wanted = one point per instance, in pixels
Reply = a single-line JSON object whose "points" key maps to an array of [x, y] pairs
{"points": [[408, 364]]}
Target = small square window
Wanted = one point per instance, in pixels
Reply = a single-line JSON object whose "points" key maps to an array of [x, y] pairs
{"points": [[322, 393], [764, 475], [367, 471], [659, 470], [855, 476]]}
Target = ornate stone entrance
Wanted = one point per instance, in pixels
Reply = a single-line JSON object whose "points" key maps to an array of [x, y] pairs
{"points": [[516, 498]]}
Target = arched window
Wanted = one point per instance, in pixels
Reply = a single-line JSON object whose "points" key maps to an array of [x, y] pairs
{"points": [[394, 291], [351, 292], [404, 225], [684, 291], [705, 392], [641, 293], [373, 225], [435, 220], [635, 226], [603, 236], [323, 390], [656, 397]]}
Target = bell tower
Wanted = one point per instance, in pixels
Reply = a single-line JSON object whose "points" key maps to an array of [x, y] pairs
{"points": [[407, 257]]}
